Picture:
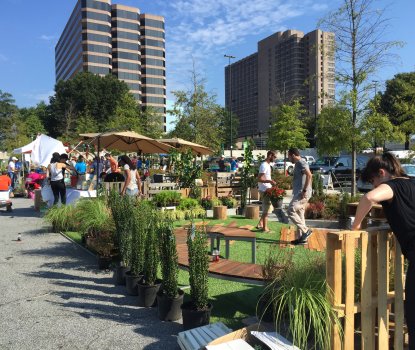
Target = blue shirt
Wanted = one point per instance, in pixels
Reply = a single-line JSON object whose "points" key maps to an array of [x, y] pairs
{"points": [[234, 165], [80, 167]]}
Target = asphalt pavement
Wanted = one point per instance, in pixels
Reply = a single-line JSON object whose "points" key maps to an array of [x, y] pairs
{"points": [[52, 296]]}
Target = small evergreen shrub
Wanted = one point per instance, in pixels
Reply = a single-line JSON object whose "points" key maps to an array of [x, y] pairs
{"points": [[166, 198], [188, 204], [229, 202]]}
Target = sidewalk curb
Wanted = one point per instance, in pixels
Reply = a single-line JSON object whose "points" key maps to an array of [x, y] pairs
{"points": [[77, 244]]}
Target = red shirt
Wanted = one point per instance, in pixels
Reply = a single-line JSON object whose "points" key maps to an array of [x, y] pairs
{"points": [[5, 182]]}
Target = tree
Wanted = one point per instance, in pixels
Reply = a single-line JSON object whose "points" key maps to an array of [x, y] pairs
{"points": [[398, 102], [151, 122], [360, 49], [126, 115], [85, 93], [334, 130], [12, 127], [377, 128], [287, 127], [197, 116]]}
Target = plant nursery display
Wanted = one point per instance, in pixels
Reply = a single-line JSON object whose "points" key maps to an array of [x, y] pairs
{"points": [[276, 195]]}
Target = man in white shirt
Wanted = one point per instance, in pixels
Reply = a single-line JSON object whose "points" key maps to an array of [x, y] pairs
{"points": [[264, 182], [11, 171]]}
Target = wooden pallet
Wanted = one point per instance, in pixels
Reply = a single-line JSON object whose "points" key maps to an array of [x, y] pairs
{"points": [[197, 338], [317, 241]]}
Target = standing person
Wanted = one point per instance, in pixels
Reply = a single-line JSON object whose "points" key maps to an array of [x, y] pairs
{"points": [[264, 182], [56, 174], [301, 194], [81, 169], [113, 165], [11, 171], [139, 163], [221, 163], [5, 182], [234, 165], [132, 184], [396, 193]]}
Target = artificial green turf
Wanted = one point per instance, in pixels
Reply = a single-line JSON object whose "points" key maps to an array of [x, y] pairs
{"points": [[75, 236]]}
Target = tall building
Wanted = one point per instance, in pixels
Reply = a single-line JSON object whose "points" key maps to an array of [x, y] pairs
{"points": [[287, 65], [104, 38]]}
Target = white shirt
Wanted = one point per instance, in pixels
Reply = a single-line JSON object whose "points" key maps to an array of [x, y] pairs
{"points": [[265, 169], [55, 173], [133, 178], [11, 167]]}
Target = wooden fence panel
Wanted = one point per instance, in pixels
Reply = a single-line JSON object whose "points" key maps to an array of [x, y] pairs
{"points": [[383, 312], [398, 310], [350, 291]]}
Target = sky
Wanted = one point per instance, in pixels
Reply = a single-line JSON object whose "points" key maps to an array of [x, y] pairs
{"points": [[198, 33]]}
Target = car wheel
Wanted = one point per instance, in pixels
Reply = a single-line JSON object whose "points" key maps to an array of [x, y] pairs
{"points": [[290, 170]]}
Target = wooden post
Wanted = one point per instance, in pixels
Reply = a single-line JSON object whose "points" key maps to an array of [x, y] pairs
{"points": [[349, 302], [252, 212], [367, 323], [383, 314], [334, 281], [398, 337], [220, 212]]}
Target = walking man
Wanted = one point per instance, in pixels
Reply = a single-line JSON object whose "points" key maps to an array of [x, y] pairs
{"points": [[264, 182], [301, 194]]}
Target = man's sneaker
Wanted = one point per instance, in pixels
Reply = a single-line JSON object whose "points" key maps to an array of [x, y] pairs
{"points": [[305, 236], [299, 241]]}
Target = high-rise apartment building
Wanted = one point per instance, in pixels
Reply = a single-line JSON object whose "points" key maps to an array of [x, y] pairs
{"points": [[104, 38], [287, 65]]}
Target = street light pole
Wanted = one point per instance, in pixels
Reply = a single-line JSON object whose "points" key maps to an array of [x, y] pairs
{"points": [[229, 57]]}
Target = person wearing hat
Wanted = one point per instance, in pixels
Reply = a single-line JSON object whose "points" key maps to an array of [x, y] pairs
{"points": [[56, 173], [11, 171]]}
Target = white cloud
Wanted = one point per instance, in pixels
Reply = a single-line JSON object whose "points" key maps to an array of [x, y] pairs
{"points": [[201, 30], [47, 37]]}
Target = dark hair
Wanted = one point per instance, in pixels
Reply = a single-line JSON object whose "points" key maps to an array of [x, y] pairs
{"points": [[294, 152], [80, 158], [387, 162], [55, 157], [270, 152], [64, 156], [126, 160], [107, 155]]}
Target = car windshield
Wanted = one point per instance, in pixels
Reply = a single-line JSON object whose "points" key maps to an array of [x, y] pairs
{"points": [[326, 161], [409, 169]]}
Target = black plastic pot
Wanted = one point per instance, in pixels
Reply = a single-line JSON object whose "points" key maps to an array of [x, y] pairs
{"points": [[131, 283], [104, 262], [193, 318], [119, 274], [169, 309], [147, 294]]}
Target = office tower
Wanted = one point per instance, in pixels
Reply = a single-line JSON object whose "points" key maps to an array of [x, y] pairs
{"points": [[104, 38], [288, 65]]}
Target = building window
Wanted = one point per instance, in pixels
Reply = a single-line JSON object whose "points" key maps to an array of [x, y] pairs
{"points": [[154, 71], [125, 35], [154, 99], [96, 26], [96, 5], [96, 48], [126, 65], [125, 14], [154, 81], [153, 90], [153, 62], [153, 52], [125, 25], [97, 16], [125, 45], [147, 22], [151, 42], [126, 55], [98, 70], [155, 33]]}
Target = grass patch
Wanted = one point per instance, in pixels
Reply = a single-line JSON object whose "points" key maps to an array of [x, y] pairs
{"points": [[75, 236]]}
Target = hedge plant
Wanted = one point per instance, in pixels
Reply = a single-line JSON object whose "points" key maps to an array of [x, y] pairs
{"points": [[166, 198], [151, 254], [198, 266]]}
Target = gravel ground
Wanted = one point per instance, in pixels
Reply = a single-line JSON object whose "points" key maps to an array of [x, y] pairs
{"points": [[52, 296]]}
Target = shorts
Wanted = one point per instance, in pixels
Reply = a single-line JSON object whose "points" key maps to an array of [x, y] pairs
{"points": [[131, 192], [266, 203]]}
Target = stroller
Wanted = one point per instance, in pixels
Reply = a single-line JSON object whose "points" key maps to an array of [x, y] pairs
{"points": [[5, 201]]}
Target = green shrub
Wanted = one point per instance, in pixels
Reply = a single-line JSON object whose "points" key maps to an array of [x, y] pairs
{"points": [[229, 202], [282, 181], [194, 213], [198, 266], [151, 255], [168, 258], [63, 218], [188, 203], [301, 300], [166, 198], [94, 216], [209, 202]]}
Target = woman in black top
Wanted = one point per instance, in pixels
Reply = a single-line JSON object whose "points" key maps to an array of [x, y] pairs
{"points": [[396, 193]]}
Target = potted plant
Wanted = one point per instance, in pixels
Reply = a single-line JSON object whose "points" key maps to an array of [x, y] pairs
{"points": [[103, 245], [276, 196], [169, 297], [121, 216], [167, 198], [137, 228], [149, 285], [196, 312]]}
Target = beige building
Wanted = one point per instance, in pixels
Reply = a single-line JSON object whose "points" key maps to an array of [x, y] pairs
{"points": [[104, 38], [287, 65]]}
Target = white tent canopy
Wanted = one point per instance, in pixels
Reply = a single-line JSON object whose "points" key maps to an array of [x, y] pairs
{"points": [[25, 149], [42, 150]]}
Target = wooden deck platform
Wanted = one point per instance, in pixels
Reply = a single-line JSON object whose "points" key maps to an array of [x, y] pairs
{"points": [[234, 270]]}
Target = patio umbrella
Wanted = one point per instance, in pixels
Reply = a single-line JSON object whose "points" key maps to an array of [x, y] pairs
{"points": [[126, 141], [180, 143]]}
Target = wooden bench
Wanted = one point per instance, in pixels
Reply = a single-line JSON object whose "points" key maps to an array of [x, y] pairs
{"points": [[150, 189], [227, 184]]}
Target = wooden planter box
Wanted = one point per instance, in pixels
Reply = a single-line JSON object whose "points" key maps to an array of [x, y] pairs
{"points": [[229, 212]]}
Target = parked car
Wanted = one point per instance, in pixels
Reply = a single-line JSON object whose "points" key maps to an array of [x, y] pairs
{"points": [[323, 165], [279, 166], [341, 169], [366, 186], [309, 159]]}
